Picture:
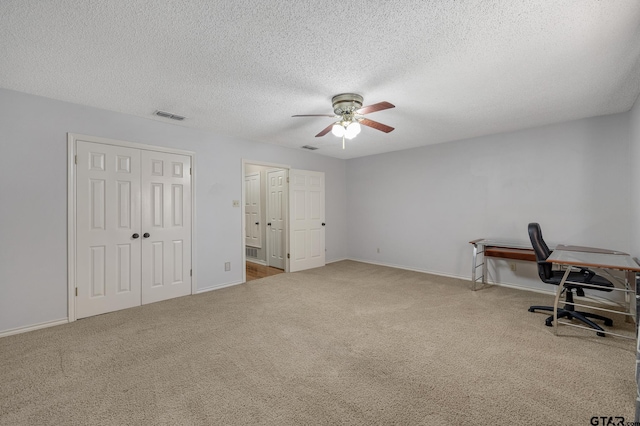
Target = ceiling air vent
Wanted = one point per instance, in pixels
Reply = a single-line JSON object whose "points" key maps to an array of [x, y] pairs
{"points": [[309, 147], [169, 115]]}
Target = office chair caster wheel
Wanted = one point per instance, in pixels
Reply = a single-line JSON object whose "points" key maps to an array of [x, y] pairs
{"points": [[548, 323], [600, 334], [608, 322], [531, 310]]}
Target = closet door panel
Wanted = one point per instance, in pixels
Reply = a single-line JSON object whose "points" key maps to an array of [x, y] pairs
{"points": [[108, 253], [166, 224]]}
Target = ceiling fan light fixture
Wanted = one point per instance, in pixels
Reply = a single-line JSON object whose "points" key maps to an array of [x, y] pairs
{"points": [[352, 130], [338, 130], [348, 109]]}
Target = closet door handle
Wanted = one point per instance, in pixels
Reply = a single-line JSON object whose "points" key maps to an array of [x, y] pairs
{"points": [[257, 223], [146, 235], [134, 236], [269, 224], [322, 223]]}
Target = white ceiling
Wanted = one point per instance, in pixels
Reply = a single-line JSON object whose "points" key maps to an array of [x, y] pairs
{"points": [[454, 69]]}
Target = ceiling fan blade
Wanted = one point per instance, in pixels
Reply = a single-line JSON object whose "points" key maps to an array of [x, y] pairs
{"points": [[376, 125], [315, 115], [375, 107], [325, 131]]}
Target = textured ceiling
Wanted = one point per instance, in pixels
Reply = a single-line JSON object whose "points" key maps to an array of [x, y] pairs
{"points": [[454, 69]]}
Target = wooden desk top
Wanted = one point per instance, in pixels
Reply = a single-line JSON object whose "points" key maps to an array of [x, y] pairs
{"points": [[510, 253]]}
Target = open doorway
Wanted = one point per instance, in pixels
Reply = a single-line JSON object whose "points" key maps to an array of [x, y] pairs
{"points": [[265, 219]]}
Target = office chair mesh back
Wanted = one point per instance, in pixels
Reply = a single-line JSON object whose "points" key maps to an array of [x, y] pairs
{"points": [[542, 251]]}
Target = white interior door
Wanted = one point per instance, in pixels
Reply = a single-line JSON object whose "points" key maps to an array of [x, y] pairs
{"points": [[253, 235], [276, 213], [166, 226], [108, 228], [306, 219]]}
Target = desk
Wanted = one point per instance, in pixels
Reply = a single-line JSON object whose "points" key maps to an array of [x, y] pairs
{"points": [[497, 248], [576, 257]]}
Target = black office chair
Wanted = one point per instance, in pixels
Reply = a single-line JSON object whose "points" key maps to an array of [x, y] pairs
{"points": [[549, 276]]}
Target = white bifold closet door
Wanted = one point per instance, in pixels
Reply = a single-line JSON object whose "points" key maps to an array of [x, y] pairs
{"points": [[276, 214], [133, 227], [252, 213]]}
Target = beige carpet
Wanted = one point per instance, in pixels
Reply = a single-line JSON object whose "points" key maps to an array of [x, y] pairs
{"points": [[349, 343]]}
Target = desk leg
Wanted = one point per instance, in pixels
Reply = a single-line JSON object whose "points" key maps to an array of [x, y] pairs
{"points": [[484, 266], [630, 286], [473, 267], [555, 304]]}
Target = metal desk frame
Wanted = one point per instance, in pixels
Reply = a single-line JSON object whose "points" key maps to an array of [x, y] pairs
{"points": [[479, 249], [573, 257]]}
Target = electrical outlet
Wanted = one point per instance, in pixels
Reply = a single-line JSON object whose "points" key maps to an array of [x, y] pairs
{"points": [[236, 203], [378, 250], [512, 265], [227, 266]]}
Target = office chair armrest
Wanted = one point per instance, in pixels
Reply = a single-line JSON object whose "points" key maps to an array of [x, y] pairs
{"points": [[588, 274]]}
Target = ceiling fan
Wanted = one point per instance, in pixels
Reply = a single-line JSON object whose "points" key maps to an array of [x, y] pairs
{"points": [[348, 109]]}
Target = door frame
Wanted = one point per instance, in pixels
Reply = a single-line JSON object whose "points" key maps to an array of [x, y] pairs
{"points": [[286, 168], [72, 138]]}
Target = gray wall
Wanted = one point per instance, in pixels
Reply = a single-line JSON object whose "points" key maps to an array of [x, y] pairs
{"points": [[634, 119], [33, 210], [421, 207]]}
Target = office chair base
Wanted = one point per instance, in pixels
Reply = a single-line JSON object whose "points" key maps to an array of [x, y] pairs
{"points": [[581, 316]]}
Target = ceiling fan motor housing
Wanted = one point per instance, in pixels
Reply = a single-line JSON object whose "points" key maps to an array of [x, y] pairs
{"points": [[346, 103]]}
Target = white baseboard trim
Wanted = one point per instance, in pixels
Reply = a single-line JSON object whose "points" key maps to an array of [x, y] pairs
{"points": [[460, 277], [256, 261], [407, 268], [337, 260], [218, 287], [33, 327]]}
